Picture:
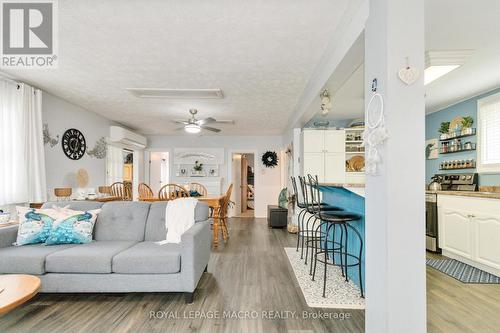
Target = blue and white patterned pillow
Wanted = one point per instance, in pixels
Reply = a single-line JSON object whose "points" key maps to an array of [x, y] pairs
{"points": [[35, 225], [74, 227]]}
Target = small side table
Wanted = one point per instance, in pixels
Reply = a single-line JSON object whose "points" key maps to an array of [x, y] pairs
{"points": [[277, 217], [17, 289]]}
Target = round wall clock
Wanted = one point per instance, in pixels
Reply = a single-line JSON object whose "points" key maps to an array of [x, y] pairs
{"points": [[73, 144], [270, 159]]}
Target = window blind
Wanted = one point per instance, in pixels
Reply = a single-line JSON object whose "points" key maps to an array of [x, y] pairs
{"points": [[490, 132]]}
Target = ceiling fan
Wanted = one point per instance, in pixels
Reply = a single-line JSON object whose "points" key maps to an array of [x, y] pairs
{"points": [[193, 125]]}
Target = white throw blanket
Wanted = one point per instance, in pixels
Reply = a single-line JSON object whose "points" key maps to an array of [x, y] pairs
{"points": [[179, 217]]}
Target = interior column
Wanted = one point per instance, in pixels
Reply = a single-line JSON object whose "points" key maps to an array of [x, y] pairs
{"points": [[395, 197]]}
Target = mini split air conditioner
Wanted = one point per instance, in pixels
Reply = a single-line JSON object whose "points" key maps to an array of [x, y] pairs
{"points": [[128, 138]]}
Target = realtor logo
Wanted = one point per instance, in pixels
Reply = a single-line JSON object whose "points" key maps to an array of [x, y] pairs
{"points": [[29, 34]]}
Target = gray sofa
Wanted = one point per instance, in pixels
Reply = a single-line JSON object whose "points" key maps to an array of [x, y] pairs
{"points": [[123, 256]]}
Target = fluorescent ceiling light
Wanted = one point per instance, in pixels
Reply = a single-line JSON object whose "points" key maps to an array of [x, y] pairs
{"points": [[440, 63], [192, 128], [433, 73]]}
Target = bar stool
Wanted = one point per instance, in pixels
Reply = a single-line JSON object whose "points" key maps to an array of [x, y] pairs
{"points": [[329, 220], [312, 210]]}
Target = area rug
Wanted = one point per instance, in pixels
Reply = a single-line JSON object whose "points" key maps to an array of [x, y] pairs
{"points": [[339, 293], [462, 272]]}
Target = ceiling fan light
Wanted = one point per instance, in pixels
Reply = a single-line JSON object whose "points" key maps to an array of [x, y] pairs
{"points": [[192, 128]]}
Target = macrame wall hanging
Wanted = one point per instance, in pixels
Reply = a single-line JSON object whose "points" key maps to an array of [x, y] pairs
{"points": [[375, 132]]}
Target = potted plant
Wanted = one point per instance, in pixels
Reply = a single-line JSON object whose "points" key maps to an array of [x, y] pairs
{"points": [[467, 123], [444, 130]]}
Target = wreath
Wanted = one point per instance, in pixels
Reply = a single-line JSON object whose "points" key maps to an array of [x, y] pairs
{"points": [[270, 159]]}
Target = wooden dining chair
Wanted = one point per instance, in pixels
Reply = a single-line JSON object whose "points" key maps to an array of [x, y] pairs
{"points": [[200, 188], [127, 190], [172, 191], [145, 192], [117, 190], [223, 212], [63, 193]]}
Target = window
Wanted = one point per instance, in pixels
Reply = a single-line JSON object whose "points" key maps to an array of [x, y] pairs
{"points": [[489, 134]]}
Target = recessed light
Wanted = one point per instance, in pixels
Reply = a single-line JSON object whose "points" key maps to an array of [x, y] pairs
{"points": [[440, 63]]}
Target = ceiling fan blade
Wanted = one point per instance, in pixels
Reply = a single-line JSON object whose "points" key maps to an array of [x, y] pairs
{"points": [[216, 130], [206, 121], [179, 129], [180, 122], [224, 121]]}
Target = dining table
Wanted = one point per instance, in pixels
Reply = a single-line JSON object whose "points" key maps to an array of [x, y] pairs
{"points": [[213, 201]]}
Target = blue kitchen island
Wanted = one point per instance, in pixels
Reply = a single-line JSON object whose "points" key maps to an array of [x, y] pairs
{"points": [[349, 197]]}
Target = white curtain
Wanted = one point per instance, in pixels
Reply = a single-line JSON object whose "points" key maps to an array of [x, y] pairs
{"points": [[22, 163], [114, 165], [37, 187]]}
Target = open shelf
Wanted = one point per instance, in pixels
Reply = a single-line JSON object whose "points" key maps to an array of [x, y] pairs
{"points": [[473, 147], [457, 136]]}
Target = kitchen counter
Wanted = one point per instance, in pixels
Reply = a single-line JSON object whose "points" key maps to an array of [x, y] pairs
{"points": [[476, 194], [343, 184]]}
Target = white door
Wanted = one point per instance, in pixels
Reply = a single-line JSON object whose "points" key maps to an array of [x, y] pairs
{"points": [[334, 141], [487, 243], [455, 235], [313, 141], [314, 164], [334, 168]]}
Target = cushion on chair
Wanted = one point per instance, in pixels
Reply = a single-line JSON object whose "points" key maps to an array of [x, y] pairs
{"points": [[148, 258], [155, 225], [122, 221], [27, 259], [95, 257]]}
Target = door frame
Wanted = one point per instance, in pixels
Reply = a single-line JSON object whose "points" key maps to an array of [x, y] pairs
{"points": [[147, 158], [229, 168]]}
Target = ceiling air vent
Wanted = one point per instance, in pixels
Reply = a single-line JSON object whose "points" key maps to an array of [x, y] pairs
{"points": [[176, 93]]}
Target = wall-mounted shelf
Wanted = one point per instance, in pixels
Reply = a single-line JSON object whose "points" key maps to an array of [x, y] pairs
{"points": [[453, 135], [443, 151]]}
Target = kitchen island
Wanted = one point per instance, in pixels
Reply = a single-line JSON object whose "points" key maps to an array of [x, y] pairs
{"points": [[350, 197]]}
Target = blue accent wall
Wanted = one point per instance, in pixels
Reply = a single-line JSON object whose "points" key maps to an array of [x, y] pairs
{"points": [[433, 122]]}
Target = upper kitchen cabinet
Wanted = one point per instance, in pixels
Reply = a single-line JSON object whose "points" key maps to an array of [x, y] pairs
{"points": [[325, 154]]}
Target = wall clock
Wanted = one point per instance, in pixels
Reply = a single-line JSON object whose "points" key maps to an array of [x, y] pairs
{"points": [[270, 159], [73, 144]]}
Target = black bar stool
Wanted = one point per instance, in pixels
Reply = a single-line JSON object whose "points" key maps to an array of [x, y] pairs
{"points": [[333, 219], [312, 210]]}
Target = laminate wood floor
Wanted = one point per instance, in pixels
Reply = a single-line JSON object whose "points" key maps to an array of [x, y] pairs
{"points": [[250, 273]]}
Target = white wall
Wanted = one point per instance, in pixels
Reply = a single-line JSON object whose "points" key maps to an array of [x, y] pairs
{"points": [[61, 115], [268, 181]]}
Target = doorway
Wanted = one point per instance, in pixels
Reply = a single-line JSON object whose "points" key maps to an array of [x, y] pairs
{"points": [[158, 170], [243, 178]]}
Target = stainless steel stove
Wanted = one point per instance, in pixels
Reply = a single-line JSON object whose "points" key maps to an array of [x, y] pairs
{"points": [[449, 182], [457, 181]]}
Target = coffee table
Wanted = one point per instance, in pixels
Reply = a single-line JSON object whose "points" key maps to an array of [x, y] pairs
{"points": [[17, 289]]}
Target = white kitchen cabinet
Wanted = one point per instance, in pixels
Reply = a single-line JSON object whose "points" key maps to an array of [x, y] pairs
{"points": [[334, 167], [314, 164], [469, 230], [487, 239], [456, 226], [334, 141], [324, 155], [314, 141]]}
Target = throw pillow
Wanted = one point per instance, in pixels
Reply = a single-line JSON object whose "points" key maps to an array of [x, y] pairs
{"points": [[74, 227], [34, 225]]}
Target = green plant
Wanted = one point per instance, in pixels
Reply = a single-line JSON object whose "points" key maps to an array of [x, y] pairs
{"points": [[198, 166], [445, 127], [467, 122]]}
